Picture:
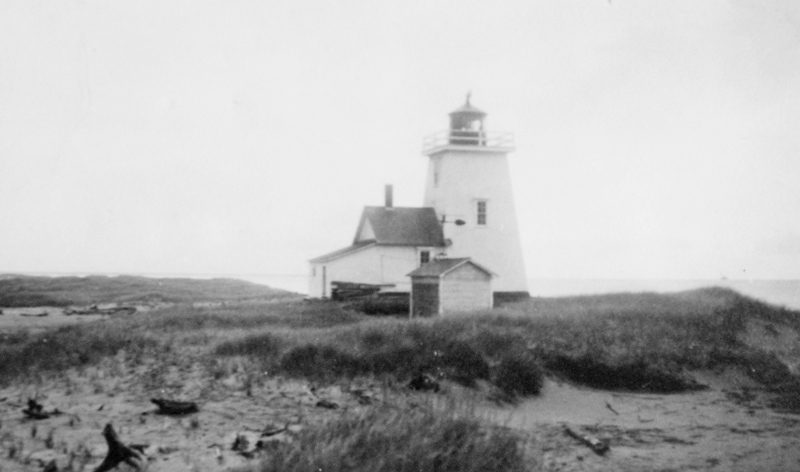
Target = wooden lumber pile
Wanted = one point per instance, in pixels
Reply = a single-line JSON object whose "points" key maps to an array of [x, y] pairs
{"points": [[346, 291]]}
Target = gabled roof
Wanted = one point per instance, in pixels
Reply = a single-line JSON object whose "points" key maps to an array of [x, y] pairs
{"points": [[440, 267], [401, 226], [343, 252]]}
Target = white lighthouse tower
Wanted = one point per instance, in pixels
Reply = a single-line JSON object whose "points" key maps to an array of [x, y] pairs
{"points": [[469, 187]]}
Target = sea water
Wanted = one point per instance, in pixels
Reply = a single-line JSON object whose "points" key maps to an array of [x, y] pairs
{"points": [[777, 292]]}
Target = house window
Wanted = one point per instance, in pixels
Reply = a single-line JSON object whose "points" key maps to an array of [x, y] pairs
{"points": [[314, 271], [482, 212], [424, 257], [437, 169]]}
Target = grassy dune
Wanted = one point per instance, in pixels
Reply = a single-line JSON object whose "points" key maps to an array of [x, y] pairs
{"points": [[640, 342], [23, 291]]}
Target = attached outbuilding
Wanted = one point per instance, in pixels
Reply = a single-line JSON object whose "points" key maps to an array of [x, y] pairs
{"points": [[450, 285]]}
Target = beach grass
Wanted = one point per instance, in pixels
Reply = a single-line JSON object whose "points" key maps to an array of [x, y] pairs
{"points": [[390, 440]]}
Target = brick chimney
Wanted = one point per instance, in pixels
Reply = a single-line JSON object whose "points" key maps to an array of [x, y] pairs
{"points": [[388, 195]]}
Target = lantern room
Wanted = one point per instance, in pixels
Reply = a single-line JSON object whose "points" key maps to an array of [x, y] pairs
{"points": [[466, 125]]}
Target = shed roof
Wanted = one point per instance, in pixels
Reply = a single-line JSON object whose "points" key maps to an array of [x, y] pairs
{"points": [[343, 252], [440, 267], [402, 226]]}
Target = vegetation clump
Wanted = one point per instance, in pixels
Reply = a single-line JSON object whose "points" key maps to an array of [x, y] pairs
{"points": [[453, 360], [519, 375], [389, 440], [24, 353], [394, 306], [638, 376]]}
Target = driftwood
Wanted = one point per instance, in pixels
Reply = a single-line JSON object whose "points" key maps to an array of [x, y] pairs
{"points": [[51, 467], [44, 313], [172, 407], [327, 404], [599, 447], [119, 452], [240, 444], [424, 382], [95, 310], [245, 447], [363, 398], [272, 430], [36, 411]]}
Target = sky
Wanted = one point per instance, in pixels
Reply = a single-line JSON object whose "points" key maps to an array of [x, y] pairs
{"points": [[654, 139]]}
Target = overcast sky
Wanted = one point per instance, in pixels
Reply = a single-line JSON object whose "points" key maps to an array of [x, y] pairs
{"points": [[655, 139]]}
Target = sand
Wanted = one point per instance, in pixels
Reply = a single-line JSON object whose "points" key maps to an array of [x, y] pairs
{"points": [[726, 428], [194, 442]]}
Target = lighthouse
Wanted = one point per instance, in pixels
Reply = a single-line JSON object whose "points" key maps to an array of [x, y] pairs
{"points": [[461, 249], [469, 187]]}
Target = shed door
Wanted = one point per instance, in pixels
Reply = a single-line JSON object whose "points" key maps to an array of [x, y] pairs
{"points": [[426, 299]]}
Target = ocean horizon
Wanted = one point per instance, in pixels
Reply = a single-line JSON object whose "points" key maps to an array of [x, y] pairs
{"points": [[776, 292]]}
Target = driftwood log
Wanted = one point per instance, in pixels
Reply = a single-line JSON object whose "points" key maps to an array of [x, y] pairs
{"points": [[36, 411], [272, 430], [95, 310], [599, 447], [119, 452], [327, 404], [172, 407], [51, 466], [424, 382]]}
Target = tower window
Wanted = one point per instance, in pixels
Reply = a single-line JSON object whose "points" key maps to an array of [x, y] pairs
{"points": [[424, 257], [482, 212]]}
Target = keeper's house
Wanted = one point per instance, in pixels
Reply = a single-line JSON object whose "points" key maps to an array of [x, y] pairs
{"points": [[390, 242]]}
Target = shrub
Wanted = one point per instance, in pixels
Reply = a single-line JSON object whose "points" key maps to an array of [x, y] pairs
{"points": [[519, 375], [637, 376], [320, 362], [459, 362], [396, 306], [65, 347], [495, 343], [405, 350], [262, 346]]}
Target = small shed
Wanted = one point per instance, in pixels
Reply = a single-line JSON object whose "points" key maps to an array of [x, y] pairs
{"points": [[450, 285]]}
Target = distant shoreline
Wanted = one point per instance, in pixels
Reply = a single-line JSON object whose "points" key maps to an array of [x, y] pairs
{"points": [[778, 292]]}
